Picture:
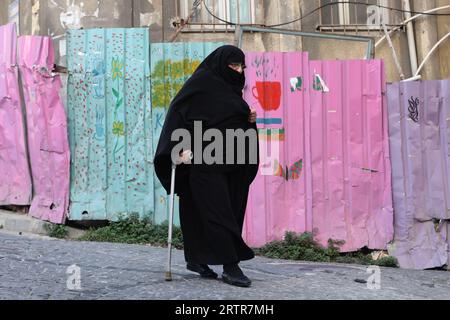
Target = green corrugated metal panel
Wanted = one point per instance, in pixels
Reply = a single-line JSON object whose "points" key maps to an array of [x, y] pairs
{"points": [[110, 123], [171, 65]]}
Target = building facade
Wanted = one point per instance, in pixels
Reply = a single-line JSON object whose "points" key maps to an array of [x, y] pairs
{"points": [[207, 23]]}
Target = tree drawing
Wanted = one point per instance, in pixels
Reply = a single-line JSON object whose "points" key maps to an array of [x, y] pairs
{"points": [[168, 78]]}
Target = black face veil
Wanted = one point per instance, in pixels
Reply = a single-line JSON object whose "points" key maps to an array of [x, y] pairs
{"points": [[219, 63], [212, 95]]}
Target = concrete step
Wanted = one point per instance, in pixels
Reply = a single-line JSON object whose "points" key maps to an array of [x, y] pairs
{"points": [[18, 223]]}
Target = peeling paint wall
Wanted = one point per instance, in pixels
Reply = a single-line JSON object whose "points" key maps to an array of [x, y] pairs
{"points": [[35, 10], [58, 16], [63, 15], [152, 14], [426, 32], [9, 12], [3, 12]]}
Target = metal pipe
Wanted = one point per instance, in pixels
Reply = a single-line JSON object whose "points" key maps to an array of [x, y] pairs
{"points": [[394, 53], [409, 20], [368, 40], [411, 38]]}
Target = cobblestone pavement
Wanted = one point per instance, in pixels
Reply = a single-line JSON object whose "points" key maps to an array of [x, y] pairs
{"points": [[36, 268]]}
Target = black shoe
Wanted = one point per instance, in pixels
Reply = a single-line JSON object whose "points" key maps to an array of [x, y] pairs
{"points": [[236, 280], [203, 270]]}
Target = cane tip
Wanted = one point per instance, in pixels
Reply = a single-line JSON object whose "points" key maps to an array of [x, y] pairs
{"points": [[168, 276]]}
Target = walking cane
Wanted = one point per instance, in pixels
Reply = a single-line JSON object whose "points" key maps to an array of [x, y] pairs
{"points": [[190, 156]]}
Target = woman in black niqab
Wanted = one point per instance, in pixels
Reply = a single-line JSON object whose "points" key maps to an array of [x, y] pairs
{"points": [[213, 198]]}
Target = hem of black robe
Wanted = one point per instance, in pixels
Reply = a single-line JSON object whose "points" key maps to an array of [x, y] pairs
{"points": [[214, 262]]}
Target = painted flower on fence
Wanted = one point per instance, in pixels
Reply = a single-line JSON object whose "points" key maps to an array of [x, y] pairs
{"points": [[117, 69], [118, 128]]}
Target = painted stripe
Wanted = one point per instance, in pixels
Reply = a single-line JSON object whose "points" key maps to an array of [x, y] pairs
{"points": [[269, 121]]}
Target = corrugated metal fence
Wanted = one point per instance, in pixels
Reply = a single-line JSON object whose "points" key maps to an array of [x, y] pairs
{"points": [[15, 179], [48, 145], [419, 115], [352, 199], [109, 123], [171, 65], [327, 120], [281, 197], [114, 125], [323, 129]]}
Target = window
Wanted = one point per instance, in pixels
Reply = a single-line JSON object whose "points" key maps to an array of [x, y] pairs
{"points": [[353, 17], [235, 11]]}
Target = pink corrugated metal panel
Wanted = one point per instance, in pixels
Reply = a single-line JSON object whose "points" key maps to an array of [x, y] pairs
{"points": [[15, 180], [350, 156], [47, 129], [419, 113], [280, 199], [332, 175]]}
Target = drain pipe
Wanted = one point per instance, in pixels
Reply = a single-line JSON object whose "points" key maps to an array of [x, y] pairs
{"points": [[411, 38]]}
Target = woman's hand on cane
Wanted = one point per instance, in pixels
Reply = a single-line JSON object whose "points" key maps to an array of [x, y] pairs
{"points": [[185, 157]]}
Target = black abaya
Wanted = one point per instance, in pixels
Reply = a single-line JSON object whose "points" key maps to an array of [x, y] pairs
{"points": [[212, 216], [213, 198]]}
